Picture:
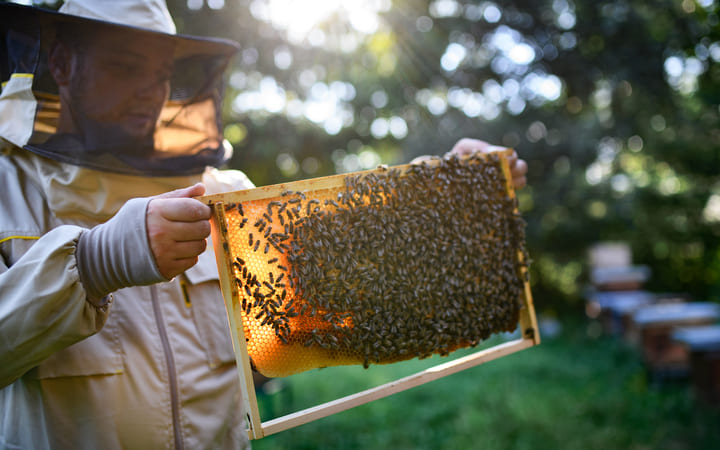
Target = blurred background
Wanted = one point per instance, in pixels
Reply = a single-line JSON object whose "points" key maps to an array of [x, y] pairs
{"points": [[614, 106]]}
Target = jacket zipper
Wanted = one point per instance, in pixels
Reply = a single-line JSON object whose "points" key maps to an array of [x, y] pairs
{"points": [[170, 361]]}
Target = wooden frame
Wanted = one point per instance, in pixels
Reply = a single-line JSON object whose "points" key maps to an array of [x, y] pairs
{"points": [[257, 429]]}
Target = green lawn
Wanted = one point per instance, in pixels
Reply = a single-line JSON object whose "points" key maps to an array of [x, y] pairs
{"points": [[571, 392]]}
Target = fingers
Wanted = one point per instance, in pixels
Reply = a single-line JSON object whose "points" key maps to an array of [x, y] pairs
{"points": [[467, 146], [173, 255], [177, 228], [518, 170], [518, 167], [188, 192], [189, 249], [421, 159], [175, 267], [171, 231], [180, 209], [175, 250]]}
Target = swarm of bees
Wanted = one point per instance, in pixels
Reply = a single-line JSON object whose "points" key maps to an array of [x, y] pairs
{"points": [[392, 266]]}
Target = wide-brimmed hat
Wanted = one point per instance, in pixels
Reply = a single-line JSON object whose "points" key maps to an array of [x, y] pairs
{"points": [[141, 17], [189, 134]]}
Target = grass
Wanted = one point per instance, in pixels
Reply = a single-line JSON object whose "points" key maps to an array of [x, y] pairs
{"points": [[571, 392]]}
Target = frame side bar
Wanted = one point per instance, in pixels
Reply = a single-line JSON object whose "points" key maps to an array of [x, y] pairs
{"points": [[528, 321], [224, 262]]}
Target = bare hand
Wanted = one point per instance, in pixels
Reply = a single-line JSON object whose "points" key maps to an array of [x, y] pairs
{"points": [[177, 228], [518, 167]]}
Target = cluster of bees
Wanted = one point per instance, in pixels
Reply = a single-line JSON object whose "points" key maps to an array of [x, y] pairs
{"points": [[393, 265]]}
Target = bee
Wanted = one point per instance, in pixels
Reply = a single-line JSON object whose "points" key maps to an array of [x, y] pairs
{"points": [[352, 265], [309, 209], [270, 206]]}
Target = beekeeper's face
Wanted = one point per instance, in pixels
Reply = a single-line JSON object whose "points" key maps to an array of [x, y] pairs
{"points": [[115, 86]]}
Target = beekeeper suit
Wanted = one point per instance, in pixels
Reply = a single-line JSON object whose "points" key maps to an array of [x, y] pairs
{"points": [[110, 335]]}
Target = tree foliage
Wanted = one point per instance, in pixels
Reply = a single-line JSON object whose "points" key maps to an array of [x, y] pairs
{"points": [[613, 104]]}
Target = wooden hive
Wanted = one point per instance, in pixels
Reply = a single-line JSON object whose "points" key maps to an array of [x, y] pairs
{"points": [[372, 267], [655, 324], [703, 344]]}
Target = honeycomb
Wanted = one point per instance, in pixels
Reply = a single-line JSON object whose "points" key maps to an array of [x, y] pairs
{"points": [[391, 266]]}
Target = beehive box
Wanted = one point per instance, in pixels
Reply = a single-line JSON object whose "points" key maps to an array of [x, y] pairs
{"points": [[664, 357], [703, 344], [372, 267]]}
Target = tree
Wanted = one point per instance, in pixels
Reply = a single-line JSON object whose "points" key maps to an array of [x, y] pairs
{"points": [[614, 104]]}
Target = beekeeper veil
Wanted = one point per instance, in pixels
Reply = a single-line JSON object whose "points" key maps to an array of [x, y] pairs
{"points": [[109, 85]]}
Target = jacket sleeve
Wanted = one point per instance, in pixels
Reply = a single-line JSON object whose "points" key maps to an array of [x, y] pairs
{"points": [[43, 305]]}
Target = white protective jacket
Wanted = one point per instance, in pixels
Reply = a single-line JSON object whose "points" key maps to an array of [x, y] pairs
{"points": [[152, 369]]}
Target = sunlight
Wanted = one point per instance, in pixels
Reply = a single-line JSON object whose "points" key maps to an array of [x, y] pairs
{"points": [[300, 19]]}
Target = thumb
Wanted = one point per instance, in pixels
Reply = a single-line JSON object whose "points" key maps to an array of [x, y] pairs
{"points": [[188, 192]]}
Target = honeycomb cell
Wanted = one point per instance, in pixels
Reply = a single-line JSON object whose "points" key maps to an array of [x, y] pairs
{"points": [[391, 266]]}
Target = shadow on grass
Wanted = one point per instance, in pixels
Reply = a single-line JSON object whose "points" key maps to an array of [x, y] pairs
{"points": [[570, 392]]}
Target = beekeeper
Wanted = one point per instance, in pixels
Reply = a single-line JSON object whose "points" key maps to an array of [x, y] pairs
{"points": [[113, 332], [111, 336]]}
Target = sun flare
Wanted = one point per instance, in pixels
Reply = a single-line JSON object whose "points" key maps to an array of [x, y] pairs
{"points": [[299, 18]]}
